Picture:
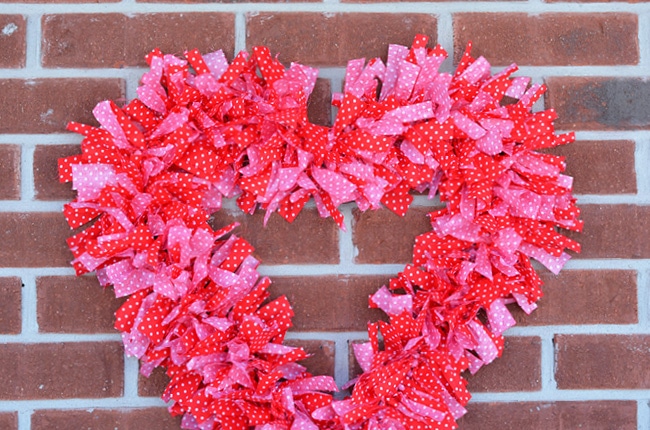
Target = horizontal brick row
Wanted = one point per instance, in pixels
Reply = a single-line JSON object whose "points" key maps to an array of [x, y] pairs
{"points": [[588, 162], [575, 297], [582, 103], [116, 40], [61, 370], [279, 242], [611, 231], [596, 415]]}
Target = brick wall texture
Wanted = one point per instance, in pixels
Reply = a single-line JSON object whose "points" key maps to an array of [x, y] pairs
{"points": [[581, 361]]}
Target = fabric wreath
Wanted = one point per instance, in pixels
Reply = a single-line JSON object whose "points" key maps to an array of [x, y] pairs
{"points": [[204, 129]]}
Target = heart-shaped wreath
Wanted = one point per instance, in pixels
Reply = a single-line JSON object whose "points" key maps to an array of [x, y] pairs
{"points": [[204, 129]]}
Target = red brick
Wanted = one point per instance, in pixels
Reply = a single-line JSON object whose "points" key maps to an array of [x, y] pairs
{"points": [[309, 239], [322, 357], [592, 415], [604, 361], [101, 419], [46, 172], [116, 40], [12, 41], [10, 311], [319, 107], [577, 297], [518, 369], [383, 237], [553, 39], [9, 420], [59, 1], [614, 231], [398, 1], [47, 105], [226, 1], [69, 304], [10, 168], [35, 239], [599, 103], [596, 1], [153, 385], [600, 167], [61, 370], [330, 303], [319, 39]]}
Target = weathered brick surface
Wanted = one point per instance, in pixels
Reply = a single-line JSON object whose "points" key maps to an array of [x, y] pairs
{"points": [[47, 105], [585, 297], [598, 103], [382, 237], [602, 361], [116, 40], [333, 39], [553, 39], [24, 243], [154, 384], [322, 357], [319, 106], [9, 420], [91, 311], [600, 167], [10, 316], [59, 1], [61, 370], [595, 1], [592, 415], [330, 303], [309, 239], [614, 231], [10, 168], [518, 369], [100, 419], [12, 41], [46, 172]]}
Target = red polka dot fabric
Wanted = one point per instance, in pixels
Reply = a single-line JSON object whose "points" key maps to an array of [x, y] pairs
{"points": [[204, 129]]}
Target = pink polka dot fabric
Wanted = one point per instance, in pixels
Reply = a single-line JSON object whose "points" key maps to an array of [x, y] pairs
{"points": [[204, 129]]}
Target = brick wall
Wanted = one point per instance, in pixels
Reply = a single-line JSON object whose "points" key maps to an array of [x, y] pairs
{"points": [[580, 361]]}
